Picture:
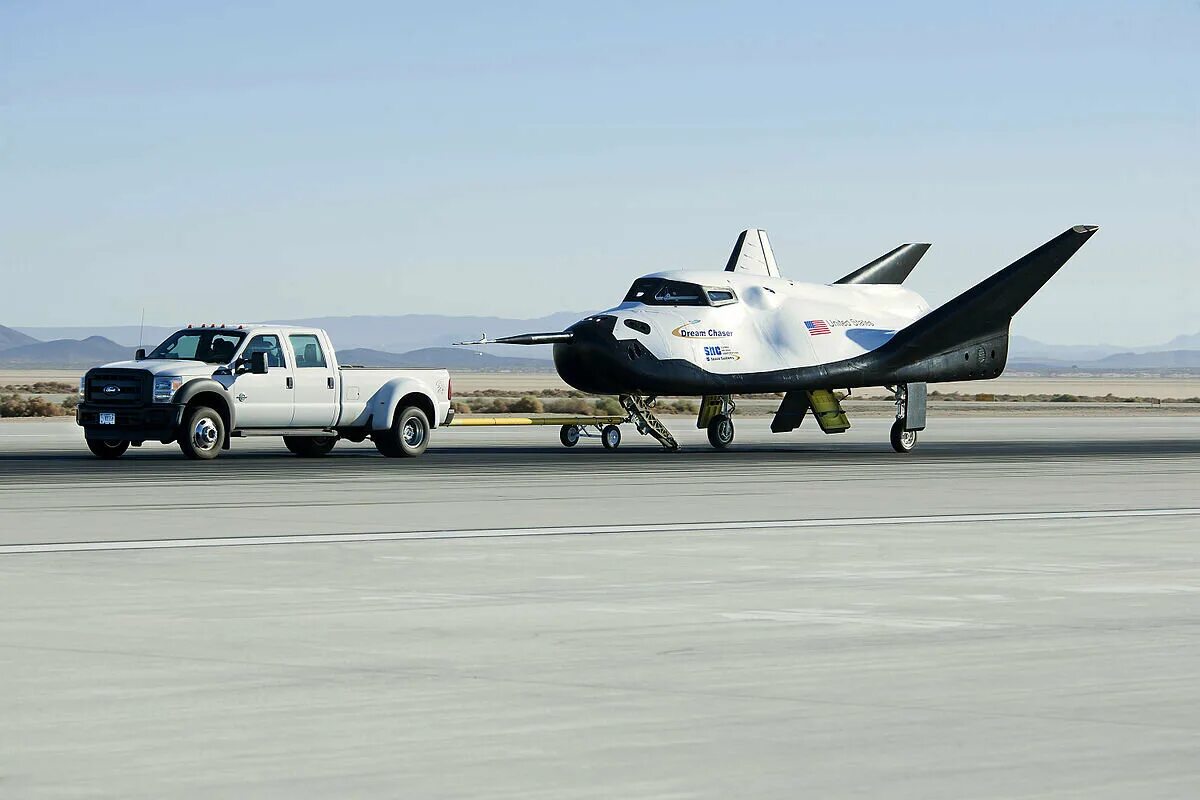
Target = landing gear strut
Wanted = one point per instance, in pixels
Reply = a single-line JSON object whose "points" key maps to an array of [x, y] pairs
{"points": [[910, 416]]}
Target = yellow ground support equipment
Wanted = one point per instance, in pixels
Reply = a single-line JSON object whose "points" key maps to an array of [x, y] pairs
{"points": [[462, 419], [570, 429]]}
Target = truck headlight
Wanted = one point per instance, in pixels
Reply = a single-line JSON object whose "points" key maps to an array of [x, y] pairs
{"points": [[165, 388], [83, 387]]}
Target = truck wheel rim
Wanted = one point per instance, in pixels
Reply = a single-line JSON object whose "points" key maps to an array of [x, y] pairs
{"points": [[413, 435], [205, 434]]}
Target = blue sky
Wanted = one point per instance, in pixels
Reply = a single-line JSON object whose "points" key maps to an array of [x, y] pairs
{"points": [[267, 160]]}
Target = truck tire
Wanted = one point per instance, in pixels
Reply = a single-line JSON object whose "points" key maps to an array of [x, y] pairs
{"points": [[310, 446], [203, 433], [108, 449], [407, 438]]}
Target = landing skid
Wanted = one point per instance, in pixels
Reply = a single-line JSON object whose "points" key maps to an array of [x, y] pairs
{"points": [[640, 415]]}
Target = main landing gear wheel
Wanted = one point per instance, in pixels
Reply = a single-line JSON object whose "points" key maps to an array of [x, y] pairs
{"points": [[569, 435], [902, 441], [611, 437], [203, 434], [720, 431], [108, 448], [310, 446]]}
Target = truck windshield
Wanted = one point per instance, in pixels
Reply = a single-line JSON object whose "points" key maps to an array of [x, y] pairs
{"points": [[662, 292], [213, 347]]}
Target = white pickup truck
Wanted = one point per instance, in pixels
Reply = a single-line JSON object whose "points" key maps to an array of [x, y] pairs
{"points": [[208, 384]]}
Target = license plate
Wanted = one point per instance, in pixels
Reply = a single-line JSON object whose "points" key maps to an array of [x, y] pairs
{"points": [[108, 418]]}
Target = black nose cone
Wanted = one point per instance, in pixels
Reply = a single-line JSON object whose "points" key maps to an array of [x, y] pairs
{"points": [[591, 361]]}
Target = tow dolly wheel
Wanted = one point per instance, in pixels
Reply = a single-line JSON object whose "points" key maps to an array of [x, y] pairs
{"points": [[611, 437], [720, 431], [902, 441], [569, 435]]}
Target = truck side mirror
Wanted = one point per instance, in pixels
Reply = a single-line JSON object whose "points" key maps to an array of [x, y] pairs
{"points": [[258, 363], [140, 354]]}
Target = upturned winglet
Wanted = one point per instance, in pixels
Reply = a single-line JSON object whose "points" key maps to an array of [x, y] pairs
{"points": [[892, 267]]}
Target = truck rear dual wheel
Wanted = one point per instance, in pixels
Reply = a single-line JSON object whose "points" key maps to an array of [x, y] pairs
{"points": [[108, 448], [407, 438], [310, 446], [203, 433]]}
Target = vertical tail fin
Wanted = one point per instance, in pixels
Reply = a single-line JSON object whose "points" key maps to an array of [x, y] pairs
{"points": [[753, 254]]}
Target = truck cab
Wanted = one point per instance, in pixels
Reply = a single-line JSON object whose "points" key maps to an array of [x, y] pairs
{"points": [[208, 384]]}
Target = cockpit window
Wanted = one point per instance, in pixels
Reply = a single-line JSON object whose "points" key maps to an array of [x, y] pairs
{"points": [[720, 297], [662, 292]]}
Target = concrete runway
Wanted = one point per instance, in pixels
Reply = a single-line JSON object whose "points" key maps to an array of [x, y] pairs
{"points": [[1011, 611]]}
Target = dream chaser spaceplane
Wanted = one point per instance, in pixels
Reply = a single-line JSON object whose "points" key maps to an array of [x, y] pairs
{"points": [[749, 330]]}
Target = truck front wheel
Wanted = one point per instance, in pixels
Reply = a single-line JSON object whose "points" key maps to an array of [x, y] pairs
{"points": [[310, 446], [108, 448], [407, 438], [203, 433]]}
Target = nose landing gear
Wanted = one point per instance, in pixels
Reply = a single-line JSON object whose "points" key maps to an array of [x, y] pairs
{"points": [[640, 414]]}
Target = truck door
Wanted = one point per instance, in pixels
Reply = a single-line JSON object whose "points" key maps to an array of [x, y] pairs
{"points": [[264, 401], [316, 382]]}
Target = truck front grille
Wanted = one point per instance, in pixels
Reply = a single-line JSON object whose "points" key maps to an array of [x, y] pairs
{"points": [[118, 387]]}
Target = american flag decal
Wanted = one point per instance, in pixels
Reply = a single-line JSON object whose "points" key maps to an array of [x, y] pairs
{"points": [[816, 326]]}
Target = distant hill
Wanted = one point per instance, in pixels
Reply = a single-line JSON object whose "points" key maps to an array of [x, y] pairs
{"points": [[453, 358], [1165, 359], [1184, 342], [1022, 348], [423, 339], [126, 335], [390, 334], [11, 338], [65, 353], [409, 332]]}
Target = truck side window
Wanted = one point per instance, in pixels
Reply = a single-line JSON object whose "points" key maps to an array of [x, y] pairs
{"points": [[269, 344], [308, 350]]}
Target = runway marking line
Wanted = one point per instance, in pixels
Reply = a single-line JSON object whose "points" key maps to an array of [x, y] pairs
{"points": [[581, 530]]}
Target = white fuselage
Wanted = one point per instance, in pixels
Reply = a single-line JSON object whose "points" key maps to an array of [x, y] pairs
{"points": [[772, 324]]}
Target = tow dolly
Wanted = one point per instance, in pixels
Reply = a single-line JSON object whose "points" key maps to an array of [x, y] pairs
{"points": [[571, 429]]}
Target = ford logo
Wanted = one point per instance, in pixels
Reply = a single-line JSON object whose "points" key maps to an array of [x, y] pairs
{"points": [[111, 389]]}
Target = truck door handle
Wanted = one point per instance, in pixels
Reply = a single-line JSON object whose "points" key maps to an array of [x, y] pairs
{"points": [[331, 382], [289, 383]]}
